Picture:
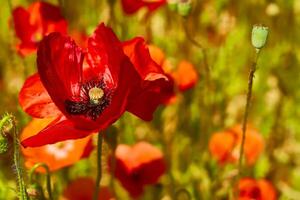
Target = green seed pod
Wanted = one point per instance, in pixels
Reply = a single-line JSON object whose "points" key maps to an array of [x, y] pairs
{"points": [[184, 7], [259, 36], [172, 4], [3, 144]]}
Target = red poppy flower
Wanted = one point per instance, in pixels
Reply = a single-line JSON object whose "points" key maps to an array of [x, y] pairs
{"points": [[58, 155], [225, 145], [185, 75], [90, 89], [137, 166], [32, 24], [83, 189], [256, 189], [132, 6]]}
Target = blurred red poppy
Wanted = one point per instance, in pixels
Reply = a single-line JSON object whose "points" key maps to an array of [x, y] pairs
{"points": [[132, 6], [32, 24], [250, 189], [82, 189], [185, 75], [58, 155], [88, 90], [137, 166], [225, 145]]}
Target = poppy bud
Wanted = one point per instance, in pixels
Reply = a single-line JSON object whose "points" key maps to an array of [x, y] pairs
{"points": [[172, 4], [259, 36], [184, 7], [3, 144]]}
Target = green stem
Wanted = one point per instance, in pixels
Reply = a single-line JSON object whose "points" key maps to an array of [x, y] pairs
{"points": [[207, 101], [16, 144], [32, 170], [99, 167], [200, 46], [113, 170], [246, 113]]}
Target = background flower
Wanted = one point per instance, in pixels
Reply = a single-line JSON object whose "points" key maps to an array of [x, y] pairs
{"points": [[256, 189], [82, 189], [225, 146], [32, 24], [137, 166], [55, 156]]}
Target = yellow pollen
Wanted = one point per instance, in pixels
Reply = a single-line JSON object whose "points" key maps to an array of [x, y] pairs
{"points": [[95, 94]]}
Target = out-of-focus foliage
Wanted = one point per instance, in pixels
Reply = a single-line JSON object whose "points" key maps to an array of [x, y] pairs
{"points": [[182, 129]]}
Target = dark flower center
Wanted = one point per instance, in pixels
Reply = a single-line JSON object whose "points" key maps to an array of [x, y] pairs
{"points": [[95, 96]]}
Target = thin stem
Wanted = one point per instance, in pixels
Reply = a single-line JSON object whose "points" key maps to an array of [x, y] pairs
{"points": [[207, 101], [246, 113], [200, 46], [49, 190], [16, 144], [99, 167]]}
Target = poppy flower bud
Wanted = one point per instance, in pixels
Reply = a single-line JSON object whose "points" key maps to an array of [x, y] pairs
{"points": [[3, 144], [259, 36], [184, 7], [172, 4]]}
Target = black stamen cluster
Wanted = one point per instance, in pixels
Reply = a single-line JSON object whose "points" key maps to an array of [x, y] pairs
{"points": [[83, 106]]}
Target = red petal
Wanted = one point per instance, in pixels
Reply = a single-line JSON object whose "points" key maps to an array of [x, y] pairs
{"points": [[59, 62], [59, 130], [24, 30], [128, 78], [137, 51], [105, 56], [152, 171], [35, 100], [37, 21], [48, 17], [122, 173], [156, 86]]}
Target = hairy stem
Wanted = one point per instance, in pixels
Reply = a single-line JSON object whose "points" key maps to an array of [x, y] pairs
{"points": [[16, 145], [99, 167], [246, 113], [49, 190]]}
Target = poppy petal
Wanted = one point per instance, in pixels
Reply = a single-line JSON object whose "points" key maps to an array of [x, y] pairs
{"points": [[105, 56], [59, 62], [57, 155], [155, 83], [120, 99], [35, 100], [21, 23], [59, 130]]}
